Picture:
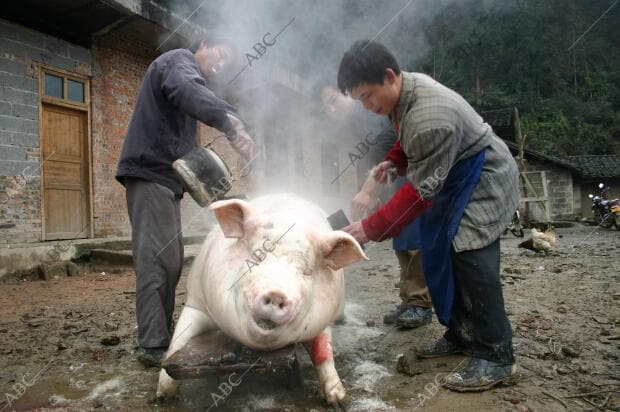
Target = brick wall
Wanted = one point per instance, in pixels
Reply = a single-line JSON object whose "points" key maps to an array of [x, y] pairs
{"points": [[116, 67], [22, 51], [119, 67], [117, 72]]}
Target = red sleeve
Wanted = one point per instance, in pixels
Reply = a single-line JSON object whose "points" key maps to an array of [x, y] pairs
{"points": [[399, 158], [405, 206]]}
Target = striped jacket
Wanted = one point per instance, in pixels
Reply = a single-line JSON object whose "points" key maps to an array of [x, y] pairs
{"points": [[437, 129]]}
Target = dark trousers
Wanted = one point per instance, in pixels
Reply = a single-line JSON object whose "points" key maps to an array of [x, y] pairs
{"points": [[479, 320], [156, 238]]}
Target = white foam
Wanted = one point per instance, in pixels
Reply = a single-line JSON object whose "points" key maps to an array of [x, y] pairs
{"points": [[369, 404], [111, 385], [355, 314], [367, 374], [255, 403], [355, 328]]}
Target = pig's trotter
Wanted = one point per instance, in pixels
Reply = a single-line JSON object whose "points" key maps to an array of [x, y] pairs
{"points": [[192, 322], [320, 350]]}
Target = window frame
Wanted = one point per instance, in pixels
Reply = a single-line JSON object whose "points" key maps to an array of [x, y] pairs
{"points": [[65, 100]]}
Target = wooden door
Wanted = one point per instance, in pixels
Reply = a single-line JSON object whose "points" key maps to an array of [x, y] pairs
{"points": [[64, 162]]}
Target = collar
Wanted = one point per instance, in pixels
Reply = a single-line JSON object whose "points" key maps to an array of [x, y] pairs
{"points": [[405, 101]]}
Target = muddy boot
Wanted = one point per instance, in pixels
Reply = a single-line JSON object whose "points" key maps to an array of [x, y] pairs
{"points": [[441, 347], [478, 375], [391, 317], [414, 316], [151, 356]]}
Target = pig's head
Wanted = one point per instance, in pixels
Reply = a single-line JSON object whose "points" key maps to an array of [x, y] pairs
{"points": [[286, 283]]}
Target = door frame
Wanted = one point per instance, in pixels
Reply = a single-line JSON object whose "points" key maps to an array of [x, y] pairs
{"points": [[83, 107]]}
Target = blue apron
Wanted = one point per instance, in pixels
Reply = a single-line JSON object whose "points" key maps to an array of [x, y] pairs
{"points": [[409, 238], [438, 226]]}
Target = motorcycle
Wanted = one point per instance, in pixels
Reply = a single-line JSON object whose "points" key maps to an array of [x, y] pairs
{"points": [[606, 212], [515, 226]]}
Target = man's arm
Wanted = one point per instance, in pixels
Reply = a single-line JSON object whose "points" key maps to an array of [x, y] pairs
{"points": [[405, 206], [366, 199], [186, 89], [395, 158], [398, 157]]}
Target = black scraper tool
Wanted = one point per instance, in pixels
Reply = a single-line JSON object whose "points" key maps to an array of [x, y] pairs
{"points": [[338, 220]]}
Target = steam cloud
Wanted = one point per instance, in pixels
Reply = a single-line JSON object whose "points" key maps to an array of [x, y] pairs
{"points": [[277, 91]]}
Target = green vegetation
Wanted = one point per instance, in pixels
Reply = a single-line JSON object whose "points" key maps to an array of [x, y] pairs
{"points": [[518, 55]]}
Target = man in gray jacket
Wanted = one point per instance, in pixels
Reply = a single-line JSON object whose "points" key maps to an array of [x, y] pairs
{"points": [[464, 176], [173, 97], [377, 134]]}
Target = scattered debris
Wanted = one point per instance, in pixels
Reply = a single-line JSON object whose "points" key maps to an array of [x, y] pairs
{"points": [[408, 364], [110, 340]]}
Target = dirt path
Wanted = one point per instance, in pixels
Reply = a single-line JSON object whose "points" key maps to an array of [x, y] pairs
{"points": [[564, 310]]}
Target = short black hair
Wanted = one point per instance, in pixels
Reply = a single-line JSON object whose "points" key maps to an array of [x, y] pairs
{"points": [[365, 62], [211, 40]]}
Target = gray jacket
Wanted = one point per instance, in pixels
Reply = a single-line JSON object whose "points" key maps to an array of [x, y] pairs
{"points": [[437, 129]]}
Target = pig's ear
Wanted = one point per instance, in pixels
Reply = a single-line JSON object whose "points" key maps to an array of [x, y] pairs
{"points": [[236, 217], [340, 249]]}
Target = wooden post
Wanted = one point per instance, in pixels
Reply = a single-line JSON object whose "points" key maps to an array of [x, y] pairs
{"points": [[520, 141], [543, 177]]}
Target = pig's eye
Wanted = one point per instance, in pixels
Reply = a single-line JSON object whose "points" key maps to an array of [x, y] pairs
{"points": [[307, 272]]}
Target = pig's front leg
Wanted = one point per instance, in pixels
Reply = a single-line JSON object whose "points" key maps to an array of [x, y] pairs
{"points": [[192, 322], [320, 350]]}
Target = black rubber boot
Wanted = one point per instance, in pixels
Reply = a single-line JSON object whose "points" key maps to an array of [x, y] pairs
{"points": [[151, 356], [393, 316], [478, 375], [439, 348], [414, 316]]}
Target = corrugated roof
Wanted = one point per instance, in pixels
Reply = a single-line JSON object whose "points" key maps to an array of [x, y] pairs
{"points": [[596, 166], [502, 122]]}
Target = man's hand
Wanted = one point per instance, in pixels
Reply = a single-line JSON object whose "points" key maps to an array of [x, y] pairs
{"points": [[357, 231], [243, 144], [381, 171], [362, 204]]}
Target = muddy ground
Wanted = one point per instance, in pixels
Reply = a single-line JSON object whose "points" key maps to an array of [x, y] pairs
{"points": [[564, 310]]}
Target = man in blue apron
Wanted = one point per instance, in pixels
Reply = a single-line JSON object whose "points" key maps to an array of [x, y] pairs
{"points": [[376, 136], [465, 179]]}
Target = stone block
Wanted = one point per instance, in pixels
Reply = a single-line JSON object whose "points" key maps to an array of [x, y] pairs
{"points": [[13, 67], [25, 139], [25, 111], [14, 96], [5, 108], [18, 82], [31, 37], [12, 153], [8, 30], [80, 54], [19, 168]]}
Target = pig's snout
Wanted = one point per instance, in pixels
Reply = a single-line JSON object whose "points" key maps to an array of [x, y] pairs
{"points": [[271, 309]]}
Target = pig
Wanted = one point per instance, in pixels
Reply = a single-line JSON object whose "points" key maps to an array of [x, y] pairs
{"points": [[269, 275]]}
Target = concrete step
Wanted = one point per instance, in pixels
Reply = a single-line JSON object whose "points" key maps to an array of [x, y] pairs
{"points": [[124, 257], [27, 257]]}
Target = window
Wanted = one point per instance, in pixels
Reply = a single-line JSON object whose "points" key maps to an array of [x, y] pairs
{"points": [[69, 88], [75, 91], [53, 86]]}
